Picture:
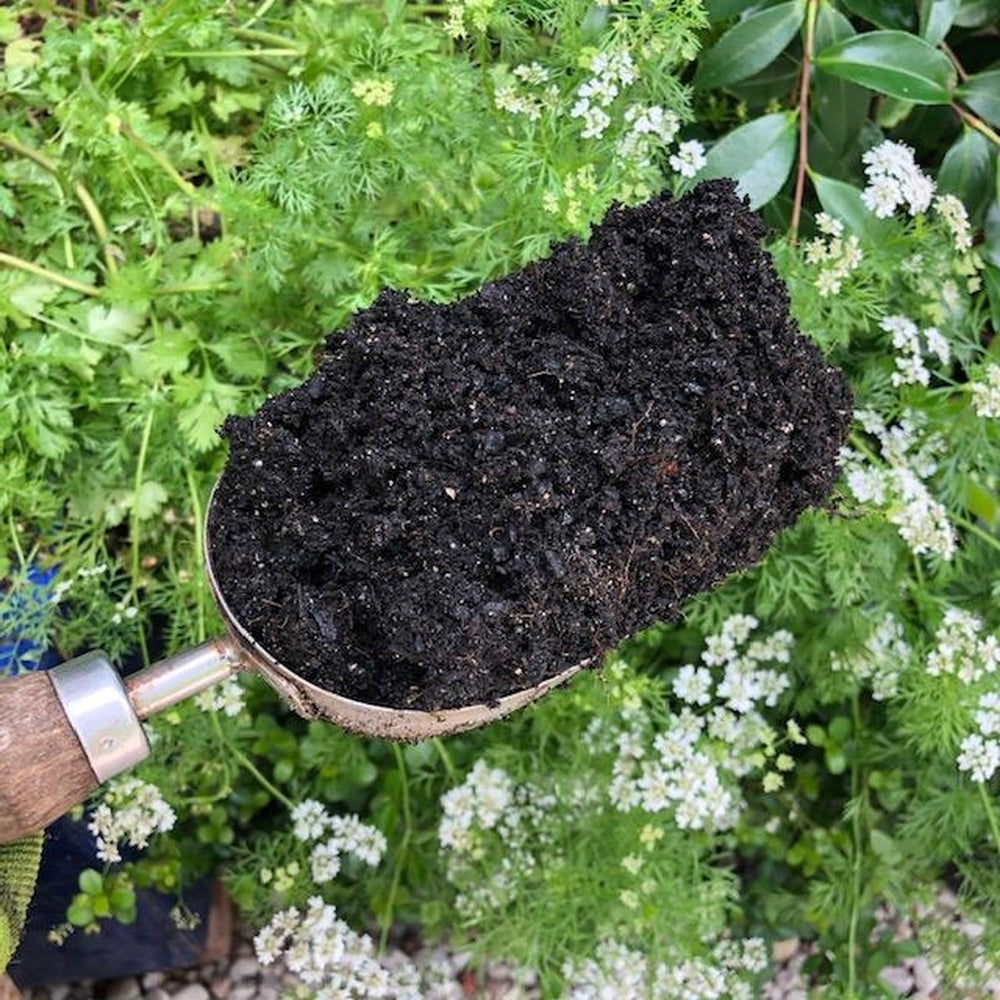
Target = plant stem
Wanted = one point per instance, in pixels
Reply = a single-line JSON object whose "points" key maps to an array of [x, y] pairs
{"points": [[991, 813], [43, 272], [977, 123], [976, 530], [15, 539], [140, 468], [199, 548], [959, 68], [800, 176], [449, 764], [390, 903], [85, 198], [232, 53], [857, 860], [159, 159], [246, 762]]}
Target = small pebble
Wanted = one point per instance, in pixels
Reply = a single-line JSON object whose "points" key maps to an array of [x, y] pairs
{"points": [[193, 991], [244, 968], [897, 978], [128, 988], [924, 976], [783, 950]]}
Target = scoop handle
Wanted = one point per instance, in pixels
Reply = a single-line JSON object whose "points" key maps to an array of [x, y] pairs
{"points": [[45, 769], [66, 730]]}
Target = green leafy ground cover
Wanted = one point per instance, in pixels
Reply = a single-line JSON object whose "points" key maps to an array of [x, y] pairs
{"points": [[192, 196]]}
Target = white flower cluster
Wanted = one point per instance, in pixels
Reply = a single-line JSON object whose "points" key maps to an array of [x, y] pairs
{"points": [[986, 393], [906, 339], [899, 486], [478, 802], [374, 92], [324, 952], [529, 103], [894, 180], [884, 656], [698, 755], [836, 255], [612, 69], [463, 13], [132, 811], [520, 816], [348, 835], [961, 650], [980, 751], [226, 697], [617, 971], [650, 128], [689, 158], [952, 212]]}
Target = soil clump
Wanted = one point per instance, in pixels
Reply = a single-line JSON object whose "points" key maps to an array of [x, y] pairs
{"points": [[466, 499]]}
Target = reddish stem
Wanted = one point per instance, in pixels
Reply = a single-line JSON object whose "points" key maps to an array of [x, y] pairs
{"points": [[803, 165]]}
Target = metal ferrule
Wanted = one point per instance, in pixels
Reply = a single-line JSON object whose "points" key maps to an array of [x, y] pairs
{"points": [[97, 705], [178, 677]]}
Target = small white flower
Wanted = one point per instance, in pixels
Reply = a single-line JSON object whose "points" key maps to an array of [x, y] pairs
{"points": [[693, 684], [324, 861], [689, 158], [310, 820], [980, 757], [986, 393]]}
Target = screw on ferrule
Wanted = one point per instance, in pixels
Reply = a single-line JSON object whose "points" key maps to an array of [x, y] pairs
{"points": [[98, 708]]}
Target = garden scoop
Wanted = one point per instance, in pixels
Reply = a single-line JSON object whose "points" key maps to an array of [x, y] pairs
{"points": [[65, 731]]}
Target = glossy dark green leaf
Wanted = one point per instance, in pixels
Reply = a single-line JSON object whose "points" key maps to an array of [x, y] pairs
{"points": [[990, 249], [723, 10], [838, 107], [885, 13], [977, 13], [893, 63], [757, 155], [967, 172], [843, 201], [992, 276], [936, 19], [982, 93], [749, 46]]}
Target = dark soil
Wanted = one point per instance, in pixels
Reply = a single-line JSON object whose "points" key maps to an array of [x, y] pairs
{"points": [[466, 499]]}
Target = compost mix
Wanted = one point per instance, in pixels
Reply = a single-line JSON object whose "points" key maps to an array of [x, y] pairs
{"points": [[466, 499]]}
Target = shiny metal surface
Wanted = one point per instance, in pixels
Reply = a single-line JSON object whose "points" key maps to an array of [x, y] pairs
{"points": [[98, 708], [178, 677]]}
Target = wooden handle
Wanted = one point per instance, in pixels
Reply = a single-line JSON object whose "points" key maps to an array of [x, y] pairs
{"points": [[43, 769]]}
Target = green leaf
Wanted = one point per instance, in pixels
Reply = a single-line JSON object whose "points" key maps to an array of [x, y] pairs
{"points": [[90, 882], [977, 13], [150, 497], [79, 913], [838, 108], [885, 13], [112, 324], [982, 93], [893, 63], [936, 18], [992, 276], [967, 172], [722, 10], [885, 848], [843, 201], [749, 46], [758, 156]]}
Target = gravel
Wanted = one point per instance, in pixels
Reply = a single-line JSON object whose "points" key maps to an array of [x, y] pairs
{"points": [[241, 977]]}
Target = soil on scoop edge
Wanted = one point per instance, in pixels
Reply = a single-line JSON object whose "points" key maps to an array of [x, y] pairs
{"points": [[464, 500]]}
